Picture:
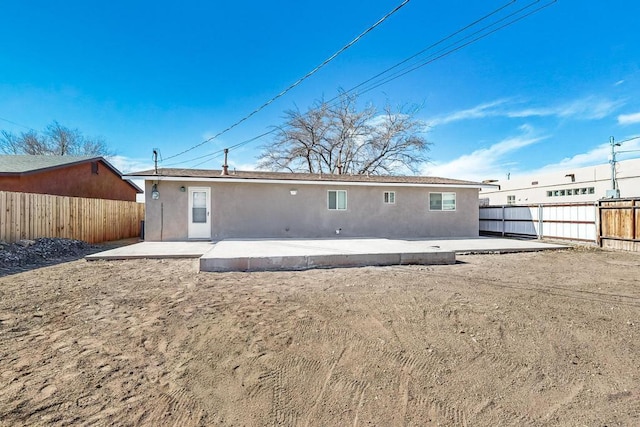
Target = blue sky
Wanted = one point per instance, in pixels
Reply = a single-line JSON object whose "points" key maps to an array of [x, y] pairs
{"points": [[546, 92]]}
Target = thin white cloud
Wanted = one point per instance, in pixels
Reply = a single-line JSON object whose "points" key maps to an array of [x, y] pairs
{"points": [[587, 108], [128, 165], [619, 82], [629, 119], [485, 163], [478, 112], [596, 156]]}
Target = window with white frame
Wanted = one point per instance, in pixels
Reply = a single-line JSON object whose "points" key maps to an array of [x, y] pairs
{"points": [[390, 197], [511, 200], [337, 200], [442, 201]]}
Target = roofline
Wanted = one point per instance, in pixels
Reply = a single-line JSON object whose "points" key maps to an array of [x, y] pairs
{"points": [[117, 172], [302, 181], [74, 163]]}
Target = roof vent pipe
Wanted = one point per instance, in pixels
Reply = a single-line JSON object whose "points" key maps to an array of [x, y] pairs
{"points": [[225, 166]]}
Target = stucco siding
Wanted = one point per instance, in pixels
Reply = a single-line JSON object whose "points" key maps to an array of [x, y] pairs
{"points": [[248, 210]]}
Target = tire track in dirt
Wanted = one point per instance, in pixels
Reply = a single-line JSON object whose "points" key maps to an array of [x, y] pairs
{"points": [[175, 408], [155, 343], [322, 391], [435, 412]]}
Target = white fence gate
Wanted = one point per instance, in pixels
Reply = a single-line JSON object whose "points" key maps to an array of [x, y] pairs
{"points": [[573, 221]]}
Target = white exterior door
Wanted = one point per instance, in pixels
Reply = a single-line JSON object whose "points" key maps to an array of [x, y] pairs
{"points": [[199, 213]]}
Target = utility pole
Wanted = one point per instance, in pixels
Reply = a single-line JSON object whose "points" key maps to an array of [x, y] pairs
{"points": [[614, 192]]}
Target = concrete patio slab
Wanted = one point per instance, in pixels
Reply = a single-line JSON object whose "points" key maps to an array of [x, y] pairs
{"points": [[296, 254], [299, 254], [492, 245], [155, 250]]}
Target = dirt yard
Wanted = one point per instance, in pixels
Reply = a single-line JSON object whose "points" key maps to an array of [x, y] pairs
{"points": [[548, 338]]}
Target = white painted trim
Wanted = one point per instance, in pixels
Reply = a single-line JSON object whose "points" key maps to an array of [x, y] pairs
{"points": [[303, 182], [199, 230]]}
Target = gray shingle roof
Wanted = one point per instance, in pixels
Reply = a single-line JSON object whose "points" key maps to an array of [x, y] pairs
{"points": [[255, 175], [29, 163]]}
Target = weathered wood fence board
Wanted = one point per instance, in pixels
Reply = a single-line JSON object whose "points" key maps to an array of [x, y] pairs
{"points": [[620, 224], [29, 216]]}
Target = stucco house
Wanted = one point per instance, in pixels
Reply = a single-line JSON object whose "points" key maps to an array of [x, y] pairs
{"points": [[184, 204], [73, 176]]}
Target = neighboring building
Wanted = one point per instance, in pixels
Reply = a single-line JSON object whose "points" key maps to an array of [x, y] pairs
{"points": [[572, 185], [184, 204], [88, 176]]}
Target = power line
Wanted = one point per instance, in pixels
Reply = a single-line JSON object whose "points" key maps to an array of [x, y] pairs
{"points": [[17, 124], [457, 46], [297, 82], [455, 33], [451, 48], [215, 154]]}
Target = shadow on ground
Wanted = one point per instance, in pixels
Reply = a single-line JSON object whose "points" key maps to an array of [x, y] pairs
{"points": [[32, 254]]}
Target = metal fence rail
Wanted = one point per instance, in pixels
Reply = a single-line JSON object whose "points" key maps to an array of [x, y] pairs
{"points": [[570, 221]]}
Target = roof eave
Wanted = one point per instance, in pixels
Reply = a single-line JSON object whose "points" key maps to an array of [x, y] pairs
{"points": [[301, 181]]}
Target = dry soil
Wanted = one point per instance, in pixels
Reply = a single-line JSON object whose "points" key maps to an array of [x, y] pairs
{"points": [[548, 338]]}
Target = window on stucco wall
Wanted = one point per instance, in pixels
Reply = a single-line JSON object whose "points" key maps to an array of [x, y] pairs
{"points": [[442, 201], [337, 200], [390, 197]]}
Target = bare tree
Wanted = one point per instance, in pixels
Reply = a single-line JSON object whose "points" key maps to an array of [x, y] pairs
{"points": [[340, 139], [9, 143], [55, 140]]}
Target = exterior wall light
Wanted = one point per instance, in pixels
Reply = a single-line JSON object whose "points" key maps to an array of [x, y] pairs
{"points": [[182, 189], [155, 194], [293, 191]]}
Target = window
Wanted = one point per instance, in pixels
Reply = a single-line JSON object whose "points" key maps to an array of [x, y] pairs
{"points": [[199, 207], [571, 192], [337, 200], [390, 197], [94, 168], [511, 200], [442, 201]]}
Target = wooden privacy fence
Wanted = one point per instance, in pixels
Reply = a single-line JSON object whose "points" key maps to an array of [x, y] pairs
{"points": [[29, 216], [620, 224], [574, 221]]}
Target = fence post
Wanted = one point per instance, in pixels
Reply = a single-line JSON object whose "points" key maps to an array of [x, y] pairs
{"points": [[540, 222], [598, 204], [503, 220]]}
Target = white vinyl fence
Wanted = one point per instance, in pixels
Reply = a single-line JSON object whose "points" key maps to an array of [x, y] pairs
{"points": [[574, 221]]}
